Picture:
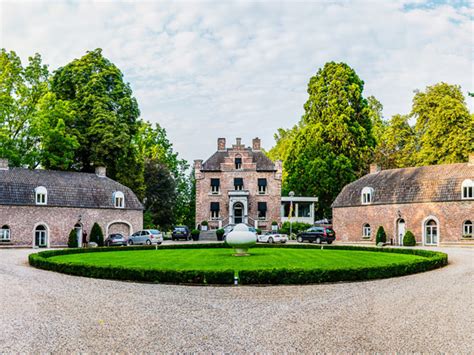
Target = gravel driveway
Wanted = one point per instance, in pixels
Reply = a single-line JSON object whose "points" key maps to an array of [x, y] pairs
{"points": [[43, 311]]}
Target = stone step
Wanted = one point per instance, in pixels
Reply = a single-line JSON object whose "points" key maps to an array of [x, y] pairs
{"points": [[208, 235]]}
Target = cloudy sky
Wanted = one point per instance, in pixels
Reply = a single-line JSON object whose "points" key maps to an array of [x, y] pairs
{"points": [[210, 69]]}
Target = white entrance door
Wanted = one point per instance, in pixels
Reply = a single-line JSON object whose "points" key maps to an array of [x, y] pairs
{"points": [[41, 237], [431, 233], [401, 231]]}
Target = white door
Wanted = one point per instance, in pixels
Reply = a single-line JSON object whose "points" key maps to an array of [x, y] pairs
{"points": [[41, 240], [431, 233], [401, 231]]}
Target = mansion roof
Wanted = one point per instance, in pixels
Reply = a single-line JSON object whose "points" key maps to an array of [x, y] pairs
{"points": [[436, 183], [65, 189], [263, 163]]}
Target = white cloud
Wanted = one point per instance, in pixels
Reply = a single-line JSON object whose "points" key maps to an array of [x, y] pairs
{"points": [[210, 69]]}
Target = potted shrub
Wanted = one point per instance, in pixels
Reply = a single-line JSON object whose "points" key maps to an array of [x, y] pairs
{"points": [[259, 231], [409, 239], [381, 236], [274, 226], [220, 234], [204, 225], [195, 234]]}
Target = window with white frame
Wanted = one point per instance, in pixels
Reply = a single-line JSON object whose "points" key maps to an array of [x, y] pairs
{"points": [[41, 195], [366, 230], [367, 196], [467, 229], [262, 186], [5, 234], [467, 189], [215, 185], [119, 199], [215, 207]]}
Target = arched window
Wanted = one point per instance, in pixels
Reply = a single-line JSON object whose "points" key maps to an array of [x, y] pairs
{"points": [[467, 189], [41, 237], [119, 199], [367, 195], [366, 230], [41, 195], [5, 234], [431, 232], [467, 229]]}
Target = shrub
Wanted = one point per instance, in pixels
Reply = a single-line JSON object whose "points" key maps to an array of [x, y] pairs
{"points": [[204, 223], [274, 223], [258, 230], [97, 236], [296, 227], [220, 234], [72, 239], [381, 236], [409, 239]]}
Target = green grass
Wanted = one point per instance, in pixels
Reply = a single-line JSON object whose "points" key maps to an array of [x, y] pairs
{"points": [[222, 259]]}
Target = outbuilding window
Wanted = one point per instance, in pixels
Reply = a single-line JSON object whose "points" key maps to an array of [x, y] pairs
{"points": [[366, 230], [262, 186], [5, 234], [467, 229], [468, 189], [367, 196], [41, 195], [215, 207], [119, 199]]}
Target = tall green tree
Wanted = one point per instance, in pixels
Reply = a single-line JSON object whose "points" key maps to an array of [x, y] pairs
{"points": [[105, 111], [376, 118], [444, 126], [335, 145]]}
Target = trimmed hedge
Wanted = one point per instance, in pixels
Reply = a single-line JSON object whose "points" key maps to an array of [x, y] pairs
{"points": [[432, 260]]}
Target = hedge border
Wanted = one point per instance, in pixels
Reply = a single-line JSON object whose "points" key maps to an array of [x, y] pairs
{"points": [[282, 276]]}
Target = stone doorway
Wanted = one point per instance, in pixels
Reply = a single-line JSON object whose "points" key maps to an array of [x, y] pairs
{"points": [[238, 213], [400, 230]]}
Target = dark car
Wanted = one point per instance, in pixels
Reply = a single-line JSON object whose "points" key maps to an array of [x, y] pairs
{"points": [[317, 235], [181, 232], [115, 240]]}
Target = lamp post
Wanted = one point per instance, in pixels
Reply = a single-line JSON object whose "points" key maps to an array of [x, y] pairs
{"points": [[291, 194]]}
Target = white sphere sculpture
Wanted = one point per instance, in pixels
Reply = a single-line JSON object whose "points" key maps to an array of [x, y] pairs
{"points": [[241, 239]]}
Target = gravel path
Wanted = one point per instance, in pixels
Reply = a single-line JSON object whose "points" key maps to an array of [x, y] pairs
{"points": [[43, 311]]}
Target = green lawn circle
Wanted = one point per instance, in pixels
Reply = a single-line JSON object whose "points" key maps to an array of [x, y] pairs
{"points": [[215, 264]]}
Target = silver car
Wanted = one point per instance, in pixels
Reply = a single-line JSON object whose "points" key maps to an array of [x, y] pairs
{"points": [[147, 236]]}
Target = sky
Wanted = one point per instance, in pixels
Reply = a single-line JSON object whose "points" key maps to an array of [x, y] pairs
{"points": [[204, 70]]}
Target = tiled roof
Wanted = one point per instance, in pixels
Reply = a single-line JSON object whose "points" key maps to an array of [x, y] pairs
{"points": [[434, 183], [65, 189], [214, 162]]}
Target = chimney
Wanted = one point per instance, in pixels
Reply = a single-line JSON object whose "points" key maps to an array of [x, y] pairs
{"points": [[198, 164], [220, 144], [238, 142], [3, 164], [374, 168], [256, 143], [100, 171], [471, 159]]}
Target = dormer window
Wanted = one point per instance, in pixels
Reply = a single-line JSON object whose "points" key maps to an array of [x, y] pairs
{"points": [[367, 195], [41, 195], [119, 199], [238, 163], [238, 184], [262, 186], [215, 185], [467, 188]]}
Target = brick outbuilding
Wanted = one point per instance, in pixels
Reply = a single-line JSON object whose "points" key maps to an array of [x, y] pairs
{"points": [[40, 207], [238, 184], [436, 203]]}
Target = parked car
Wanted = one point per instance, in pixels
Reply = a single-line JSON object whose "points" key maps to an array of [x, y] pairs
{"points": [[147, 236], [230, 227], [115, 239], [272, 237], [181, 232], [317, 235]]}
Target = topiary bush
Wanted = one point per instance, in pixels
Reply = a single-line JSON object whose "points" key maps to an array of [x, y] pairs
{"points": [[97, 236], [220, 234], [72, 239], [409, 239], [381, 236]]}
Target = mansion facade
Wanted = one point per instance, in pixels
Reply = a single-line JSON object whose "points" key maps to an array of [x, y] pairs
{"points": [[39, 208], [436, 203], [238, 184]]}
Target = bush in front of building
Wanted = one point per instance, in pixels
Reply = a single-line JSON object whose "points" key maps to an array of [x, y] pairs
{"points": [[381, 236], [409, 239], [220, 234], [97, 236], [296, 227], [72, 239], [195, 234]]}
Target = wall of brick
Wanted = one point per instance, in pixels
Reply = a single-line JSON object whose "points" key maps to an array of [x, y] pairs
{"points": [[23, 220], [348, 221]]}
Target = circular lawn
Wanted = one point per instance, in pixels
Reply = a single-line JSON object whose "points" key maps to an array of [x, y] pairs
{"points": [[217, 265]]}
